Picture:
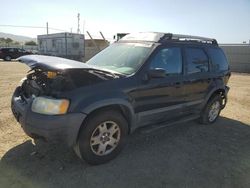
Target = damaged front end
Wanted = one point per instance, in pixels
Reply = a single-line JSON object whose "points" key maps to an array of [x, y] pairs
{"points": [[47, 77], [42, 89], [39, 104], [39, 82]]}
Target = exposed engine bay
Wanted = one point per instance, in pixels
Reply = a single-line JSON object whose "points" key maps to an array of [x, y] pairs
{"points": [[39, 82], [51, 75]]}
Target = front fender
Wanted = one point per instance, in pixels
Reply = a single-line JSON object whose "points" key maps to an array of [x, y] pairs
{"points": [[94, 102], [107, 102]]}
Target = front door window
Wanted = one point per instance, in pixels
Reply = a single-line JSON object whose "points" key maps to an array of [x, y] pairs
{"points": [[169, 59]]}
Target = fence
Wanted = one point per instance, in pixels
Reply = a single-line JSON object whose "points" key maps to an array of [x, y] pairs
{"points": [[25, 47], [90, 52], [238, 56]]}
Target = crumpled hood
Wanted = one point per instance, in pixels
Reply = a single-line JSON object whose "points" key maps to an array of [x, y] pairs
{"points": [[52, 63]]}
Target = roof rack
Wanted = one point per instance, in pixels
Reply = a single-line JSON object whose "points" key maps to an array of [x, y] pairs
{"points": [[170, 36]]}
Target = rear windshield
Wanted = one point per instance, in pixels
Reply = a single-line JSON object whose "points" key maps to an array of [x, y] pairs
{"points": [[124, 58]]}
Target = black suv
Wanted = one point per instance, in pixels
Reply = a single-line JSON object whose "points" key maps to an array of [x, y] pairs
{"points": [[12, 53], [144, 79]]}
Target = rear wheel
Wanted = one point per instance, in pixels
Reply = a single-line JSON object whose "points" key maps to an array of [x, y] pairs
{"points": [[212, 110], [102, 137]]}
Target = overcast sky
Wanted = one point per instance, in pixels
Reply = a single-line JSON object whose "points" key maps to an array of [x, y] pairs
{"points": [[226, 20]]}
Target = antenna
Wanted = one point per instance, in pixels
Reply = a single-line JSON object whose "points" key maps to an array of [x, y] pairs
{"points": [[78, 23]]}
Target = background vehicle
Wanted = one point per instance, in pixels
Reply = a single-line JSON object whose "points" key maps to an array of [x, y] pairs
{"points": [[145, 79], [12, 53]]}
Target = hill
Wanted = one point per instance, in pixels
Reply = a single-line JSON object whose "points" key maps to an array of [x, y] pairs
{"points": [[18, 38]]}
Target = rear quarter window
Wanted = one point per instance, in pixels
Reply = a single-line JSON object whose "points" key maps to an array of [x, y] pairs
{"points": [[218, 59]]}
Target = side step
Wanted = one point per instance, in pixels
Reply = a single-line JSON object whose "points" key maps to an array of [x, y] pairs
{"points": [[152, 128]]}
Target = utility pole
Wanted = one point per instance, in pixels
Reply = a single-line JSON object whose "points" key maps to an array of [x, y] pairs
{"points": [[47, 27], [78, 23]]}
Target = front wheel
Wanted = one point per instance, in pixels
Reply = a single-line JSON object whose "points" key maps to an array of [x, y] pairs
{"points": [[212, 110], [102, 137]]}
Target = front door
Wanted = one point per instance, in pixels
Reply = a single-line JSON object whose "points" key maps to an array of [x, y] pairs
{"points": [[159, 99]]}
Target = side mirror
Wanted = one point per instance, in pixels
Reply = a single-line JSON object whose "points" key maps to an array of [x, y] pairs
{"points": [[157, 73]]}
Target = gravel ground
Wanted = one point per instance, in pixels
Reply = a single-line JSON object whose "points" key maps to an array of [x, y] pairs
{"points": [[183, 155]]}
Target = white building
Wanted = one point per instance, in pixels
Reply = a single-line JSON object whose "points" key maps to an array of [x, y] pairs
{"points": [[67, 45]]}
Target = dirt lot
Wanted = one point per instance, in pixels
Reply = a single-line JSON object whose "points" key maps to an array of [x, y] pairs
{"points": [[184, 155]]}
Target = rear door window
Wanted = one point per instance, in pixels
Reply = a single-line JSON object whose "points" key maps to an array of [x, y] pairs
{"points": [[197, 60], [218, 59]]}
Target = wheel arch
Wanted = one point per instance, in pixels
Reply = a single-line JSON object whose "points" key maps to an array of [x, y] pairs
{"points": [[121, 108], [218, 91], [126, 111]]}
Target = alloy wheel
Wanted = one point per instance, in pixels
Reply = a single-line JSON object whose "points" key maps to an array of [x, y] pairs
{"points": [[214, 111], [105, 138]]}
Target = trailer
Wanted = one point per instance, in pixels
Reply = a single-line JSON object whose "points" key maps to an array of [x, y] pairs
{"points": [[67, 45]]}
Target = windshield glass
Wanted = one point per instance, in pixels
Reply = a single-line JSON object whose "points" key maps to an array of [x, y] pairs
{"points": [[124, 58]]}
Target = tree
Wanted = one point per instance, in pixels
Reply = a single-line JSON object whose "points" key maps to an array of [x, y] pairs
{"points": [[8, 40], [30, 43], [2, 40]]}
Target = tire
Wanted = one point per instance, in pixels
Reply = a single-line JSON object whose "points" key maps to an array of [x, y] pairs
{"points": [[7, 58], [212, 110], [102, 137]]}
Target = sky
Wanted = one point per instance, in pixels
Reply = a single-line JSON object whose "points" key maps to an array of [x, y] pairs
{"points": [[226, 20]]}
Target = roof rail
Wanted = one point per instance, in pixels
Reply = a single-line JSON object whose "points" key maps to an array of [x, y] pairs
{"points": [[170, 36]]}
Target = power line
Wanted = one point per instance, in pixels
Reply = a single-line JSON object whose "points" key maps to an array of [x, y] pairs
{"points": [[36, 27]]}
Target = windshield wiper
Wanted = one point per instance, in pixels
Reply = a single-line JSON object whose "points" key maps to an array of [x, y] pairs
{"points": [[107, 73]]}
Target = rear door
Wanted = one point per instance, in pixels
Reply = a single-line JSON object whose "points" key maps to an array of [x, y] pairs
{"points": [[197, 79]]}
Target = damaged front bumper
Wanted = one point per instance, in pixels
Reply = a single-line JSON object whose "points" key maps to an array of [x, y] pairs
{"points": [[53, 128]]}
